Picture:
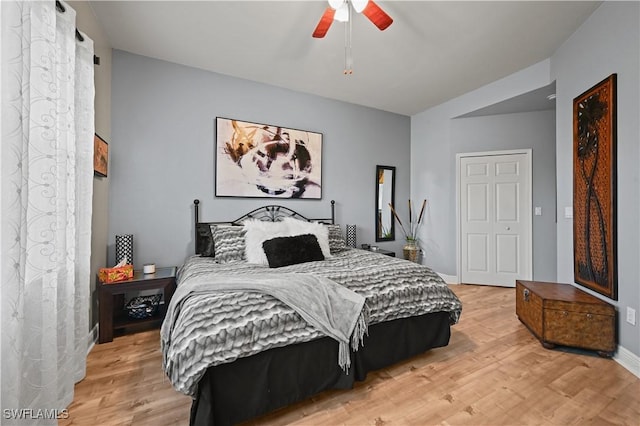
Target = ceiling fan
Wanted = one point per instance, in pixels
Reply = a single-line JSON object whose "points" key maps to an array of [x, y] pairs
{"points": [[339, 10]]}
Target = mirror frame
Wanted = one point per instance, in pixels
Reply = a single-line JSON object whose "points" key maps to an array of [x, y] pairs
{"points": [[393, 201]]}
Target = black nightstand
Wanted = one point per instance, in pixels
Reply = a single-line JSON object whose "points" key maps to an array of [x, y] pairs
{"points": [[385, 252], [113, 316]]}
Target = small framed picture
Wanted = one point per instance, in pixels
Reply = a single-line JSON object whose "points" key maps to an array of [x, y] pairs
{"points": [[100, 156]]}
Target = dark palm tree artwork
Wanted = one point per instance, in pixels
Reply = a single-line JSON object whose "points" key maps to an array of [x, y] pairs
{"points": [[594, 267], [594, 169]]}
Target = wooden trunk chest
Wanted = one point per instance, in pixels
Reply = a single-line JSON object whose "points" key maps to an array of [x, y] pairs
{"points": [[561, 314]]}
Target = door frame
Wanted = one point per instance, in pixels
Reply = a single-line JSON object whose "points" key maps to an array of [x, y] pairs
{"points": [[529, 227]]}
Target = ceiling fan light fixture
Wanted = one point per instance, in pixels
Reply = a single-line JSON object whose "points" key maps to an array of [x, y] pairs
{"points": [[336, 4], [359, 5], [342, 13]]}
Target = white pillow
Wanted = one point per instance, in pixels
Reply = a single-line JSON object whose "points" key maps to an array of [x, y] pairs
{"points": [[257, 232], [299, 227]]}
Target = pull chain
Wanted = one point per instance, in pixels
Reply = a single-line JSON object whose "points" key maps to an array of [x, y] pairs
{"points": [[348, 55]]}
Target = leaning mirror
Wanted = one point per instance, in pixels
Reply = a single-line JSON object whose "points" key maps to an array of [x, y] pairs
{"points": [[385, 194]]}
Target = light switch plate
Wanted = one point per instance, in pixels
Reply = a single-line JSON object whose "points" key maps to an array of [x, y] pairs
{"points": [[568, 212], [538, 211], [631, 315]]}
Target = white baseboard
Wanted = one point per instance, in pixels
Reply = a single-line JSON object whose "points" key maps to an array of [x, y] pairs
{"points": [[449, 279], [628, 360], [92, 338]]}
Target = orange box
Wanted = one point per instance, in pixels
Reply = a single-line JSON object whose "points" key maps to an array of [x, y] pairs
{"points": [[113, 275]]}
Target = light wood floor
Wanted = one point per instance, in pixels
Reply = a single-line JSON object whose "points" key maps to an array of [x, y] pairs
{"points": [[494, 372]]}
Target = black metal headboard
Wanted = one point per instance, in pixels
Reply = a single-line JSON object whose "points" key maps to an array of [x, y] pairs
{"points": [[271, 213]]}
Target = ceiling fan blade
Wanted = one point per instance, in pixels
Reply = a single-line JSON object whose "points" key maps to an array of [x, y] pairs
{"points": [[325, 23], [376, 15]]}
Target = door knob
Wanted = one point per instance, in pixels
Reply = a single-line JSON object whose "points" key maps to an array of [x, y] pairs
{"points": [[508, 228]]}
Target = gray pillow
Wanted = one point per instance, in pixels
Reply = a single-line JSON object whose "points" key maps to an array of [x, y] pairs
{"points": [[229, 243], [336, 240], [204, 240]]}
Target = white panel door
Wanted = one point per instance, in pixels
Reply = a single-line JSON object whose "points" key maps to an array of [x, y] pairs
{"points": [[495, 219]]}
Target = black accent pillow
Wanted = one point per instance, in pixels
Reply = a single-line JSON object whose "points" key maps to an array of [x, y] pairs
{"points": [[284, 251], [204, 242]]}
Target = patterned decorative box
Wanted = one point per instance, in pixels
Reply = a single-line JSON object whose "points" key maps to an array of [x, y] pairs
{"points": [[124, 248], [113, 275]]}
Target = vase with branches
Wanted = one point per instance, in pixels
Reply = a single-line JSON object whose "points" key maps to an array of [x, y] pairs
{"points": [[411, 248]]}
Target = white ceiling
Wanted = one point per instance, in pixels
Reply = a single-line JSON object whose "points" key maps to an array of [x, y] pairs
{"points": [[433, 51]]}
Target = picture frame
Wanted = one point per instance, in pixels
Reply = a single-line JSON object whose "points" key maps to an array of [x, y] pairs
{"points": [[257, 160], [594, 188], [100, 156]]}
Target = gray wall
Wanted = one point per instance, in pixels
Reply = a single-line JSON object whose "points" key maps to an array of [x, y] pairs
{"points": [[608, 42], [535, 130], [437, 135], [162, 153]]}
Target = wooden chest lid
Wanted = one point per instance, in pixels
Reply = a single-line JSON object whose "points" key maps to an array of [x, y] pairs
{"points": [[567, 296]]}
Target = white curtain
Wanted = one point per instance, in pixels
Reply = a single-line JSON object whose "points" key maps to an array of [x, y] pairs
{"points": [[47, 188]]}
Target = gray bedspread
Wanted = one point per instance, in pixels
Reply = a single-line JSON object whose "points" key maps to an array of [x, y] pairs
{"points": [[213, 328], [325, 305]]}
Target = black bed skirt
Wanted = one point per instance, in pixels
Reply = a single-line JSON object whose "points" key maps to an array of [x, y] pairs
{"points": [[235, 392]]}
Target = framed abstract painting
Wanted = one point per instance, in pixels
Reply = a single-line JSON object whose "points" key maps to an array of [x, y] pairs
{"points": [[266, 161], [594, 188]]}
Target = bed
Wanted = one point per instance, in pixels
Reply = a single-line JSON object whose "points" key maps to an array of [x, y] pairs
{"points": [[240, 338]]}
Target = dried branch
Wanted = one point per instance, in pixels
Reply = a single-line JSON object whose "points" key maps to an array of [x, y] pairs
{"points": [[424, 203], [398, 219]]}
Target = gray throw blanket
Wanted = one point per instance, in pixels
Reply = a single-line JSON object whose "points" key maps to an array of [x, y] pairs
{"points": [[326, 305]]}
